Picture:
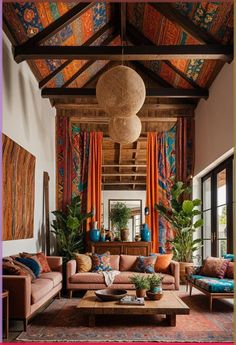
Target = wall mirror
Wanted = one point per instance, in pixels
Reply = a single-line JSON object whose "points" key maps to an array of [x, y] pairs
{"points": [[135, 220]]}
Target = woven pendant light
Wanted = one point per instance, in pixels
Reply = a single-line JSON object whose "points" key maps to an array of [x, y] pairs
{"points": [[121, 91], [125, 130]]}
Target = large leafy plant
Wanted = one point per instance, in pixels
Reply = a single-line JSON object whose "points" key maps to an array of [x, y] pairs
{"points": [[120, 215], [68, 227], [181, 215]]}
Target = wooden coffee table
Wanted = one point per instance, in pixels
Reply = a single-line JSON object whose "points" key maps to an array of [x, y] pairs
{"points": [[170, 305]]}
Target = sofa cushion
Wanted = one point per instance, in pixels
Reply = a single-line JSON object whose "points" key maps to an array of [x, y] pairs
{"points": [[123, 278], [213, 284], [55, 277], [101, 262], [40, 288], [162, 264], [83, 262], [88, 277], [127, 262], [145, 264], [214, 267], [230, 271], [32, 264], [115, 262]]}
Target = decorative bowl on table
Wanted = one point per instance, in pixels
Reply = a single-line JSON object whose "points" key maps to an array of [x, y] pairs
{"points": [[110, 294], [154, 295]]}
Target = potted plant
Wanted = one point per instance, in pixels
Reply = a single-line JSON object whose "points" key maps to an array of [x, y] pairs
{"points": [[68, 229], [155, 288], [119, 216], [141, 284], [181, 215]]}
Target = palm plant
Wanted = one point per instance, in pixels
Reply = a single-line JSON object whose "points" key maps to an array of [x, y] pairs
{"points": [[181, 215], [68, 228]]}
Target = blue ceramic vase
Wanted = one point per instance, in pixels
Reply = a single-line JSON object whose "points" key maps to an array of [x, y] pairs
{"points": [[94, 233], [145, 233]]}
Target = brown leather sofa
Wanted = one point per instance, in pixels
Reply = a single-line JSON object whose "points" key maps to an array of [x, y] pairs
{"points": [[26, 297], [124, 264]]}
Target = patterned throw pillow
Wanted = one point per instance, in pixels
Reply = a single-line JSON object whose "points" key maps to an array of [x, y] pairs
{"points": [[229, 257], [34, 257], [145, 264], [42, 260], [214, 267], [31, 263], [83, 263], [162, 264], [101, 262], [230, 271], [9, 268]]}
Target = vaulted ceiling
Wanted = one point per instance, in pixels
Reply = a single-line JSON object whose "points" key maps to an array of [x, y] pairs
{"points": [[177, 48]]}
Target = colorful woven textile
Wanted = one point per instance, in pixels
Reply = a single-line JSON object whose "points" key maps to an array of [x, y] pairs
{"points": [[101, 262], [213, 284], [145, 264]]}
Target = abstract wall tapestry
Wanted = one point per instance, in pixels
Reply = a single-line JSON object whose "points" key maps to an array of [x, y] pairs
{"points": [[18, 181]]}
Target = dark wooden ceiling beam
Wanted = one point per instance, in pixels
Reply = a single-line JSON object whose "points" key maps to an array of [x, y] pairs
{"points": [[150, 92], [126, 53], [90, 41], [185, 23], [155, 77], [74, 13]]}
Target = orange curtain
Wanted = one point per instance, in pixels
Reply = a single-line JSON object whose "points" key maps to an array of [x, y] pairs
{"points": [[94, 190], [152, 188]]}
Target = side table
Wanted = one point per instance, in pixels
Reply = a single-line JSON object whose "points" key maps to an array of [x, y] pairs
{"points": [[5, 308]]}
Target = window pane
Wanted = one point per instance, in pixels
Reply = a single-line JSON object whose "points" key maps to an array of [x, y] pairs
{"points": [[206, 248], [222, 222], [207, 224], [221, 187], [207, 194], [221, 247]]}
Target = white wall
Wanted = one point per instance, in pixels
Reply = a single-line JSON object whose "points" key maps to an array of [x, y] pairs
{"points": [[122, 194], [29, 121], [214, 121]]}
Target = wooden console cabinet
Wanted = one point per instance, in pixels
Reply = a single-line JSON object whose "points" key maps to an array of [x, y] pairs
{"points": [[116, 248]]}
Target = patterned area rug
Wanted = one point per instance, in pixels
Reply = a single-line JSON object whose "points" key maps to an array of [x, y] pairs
{"points": [[60, 321]]}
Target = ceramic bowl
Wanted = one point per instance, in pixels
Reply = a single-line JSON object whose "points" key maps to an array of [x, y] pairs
{"points": [[110, 294], [154, 296]]}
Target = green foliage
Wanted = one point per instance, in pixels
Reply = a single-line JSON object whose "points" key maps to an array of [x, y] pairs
{"points": [[181, 215], [154, 280], [68, 229], [139, 281], [120, 215]]}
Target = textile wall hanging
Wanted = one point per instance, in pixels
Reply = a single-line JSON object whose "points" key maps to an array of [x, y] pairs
{"points": [[18, 181]]}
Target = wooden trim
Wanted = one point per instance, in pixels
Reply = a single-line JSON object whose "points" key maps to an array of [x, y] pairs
{"points": [[150, 92], [125, 53], [124, 165], [123, 174], [168, 11]]}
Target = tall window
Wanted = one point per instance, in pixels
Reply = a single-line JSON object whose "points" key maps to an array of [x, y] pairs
{"points": [[217, 207]]}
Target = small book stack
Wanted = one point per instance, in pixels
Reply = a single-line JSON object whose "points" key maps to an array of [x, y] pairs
{"points": [[132, 300]]}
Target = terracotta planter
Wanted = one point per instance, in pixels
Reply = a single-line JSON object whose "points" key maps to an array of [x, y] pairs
{"points": [[182, 266], [140, 292], [124, 235]]}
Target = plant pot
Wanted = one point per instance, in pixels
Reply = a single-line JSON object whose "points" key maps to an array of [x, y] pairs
{"points": [[156, 289], [154, 296], [140, 292], [182, 274], [124, 234]]}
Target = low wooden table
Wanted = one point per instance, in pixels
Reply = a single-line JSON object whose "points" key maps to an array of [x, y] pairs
{"points": [[170, 305]]}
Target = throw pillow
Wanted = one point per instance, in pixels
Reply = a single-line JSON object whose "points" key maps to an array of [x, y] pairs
{"points": [[31, 263], [101, 262], [145, 264], [83, 263], [25, 270], [214, 267], [9, 268], [34, 257], [230, 271], [42, 260], [229, 257], [163, 263]]}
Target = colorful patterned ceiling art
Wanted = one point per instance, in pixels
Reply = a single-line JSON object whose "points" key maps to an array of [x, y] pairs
{"points": [[28, 18], [214, 17]]}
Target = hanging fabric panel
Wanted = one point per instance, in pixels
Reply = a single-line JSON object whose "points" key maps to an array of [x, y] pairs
{"points": [[152, 187], [166, 175], [94, 190]]}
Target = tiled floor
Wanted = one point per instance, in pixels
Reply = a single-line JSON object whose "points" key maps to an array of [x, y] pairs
{"points": [[16, 327]]}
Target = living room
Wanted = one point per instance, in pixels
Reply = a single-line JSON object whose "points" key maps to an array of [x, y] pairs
{"points": [[124, 112]]}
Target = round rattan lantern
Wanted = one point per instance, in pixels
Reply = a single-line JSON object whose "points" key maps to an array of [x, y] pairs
{"points": [[121, 91], [125, 130]]}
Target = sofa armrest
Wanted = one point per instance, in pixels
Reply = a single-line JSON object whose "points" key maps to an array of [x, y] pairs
{"points": [[55, 263], [174, 268], [70, 270], [19, 288]]}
